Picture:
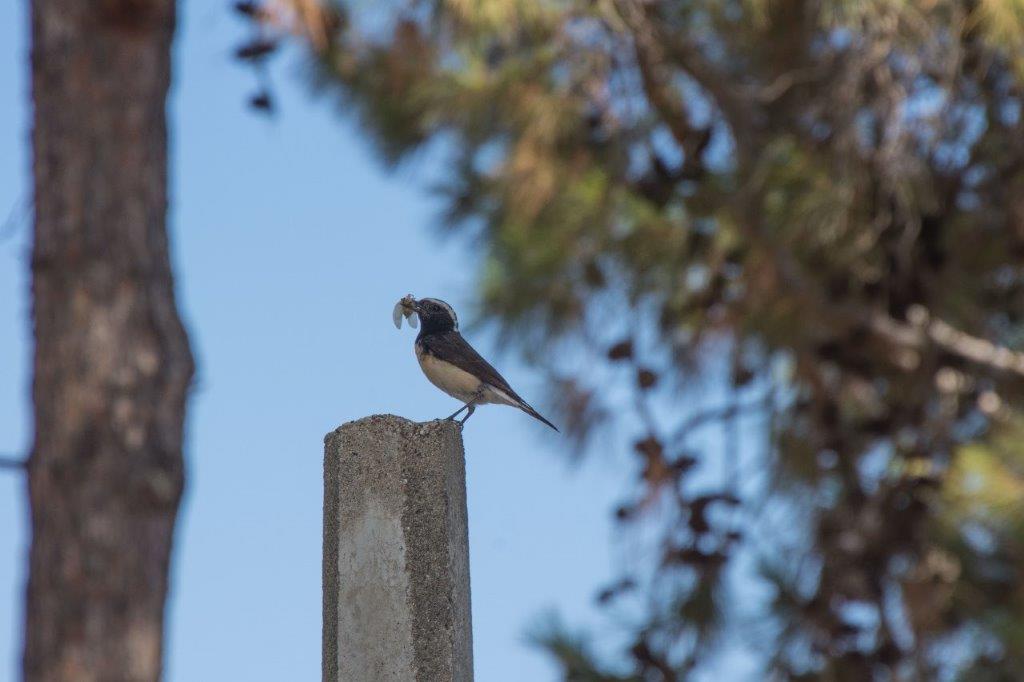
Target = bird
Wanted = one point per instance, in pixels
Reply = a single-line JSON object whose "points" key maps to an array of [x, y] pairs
{"points": [[454, 366]]}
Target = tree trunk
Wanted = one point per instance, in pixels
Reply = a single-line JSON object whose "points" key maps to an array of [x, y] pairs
{"points": [[112, 360]]}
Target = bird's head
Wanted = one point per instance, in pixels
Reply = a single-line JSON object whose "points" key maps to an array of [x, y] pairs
{"points": [[436, 315]]}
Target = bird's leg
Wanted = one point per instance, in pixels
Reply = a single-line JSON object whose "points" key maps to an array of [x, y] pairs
{"points": [[468, 406], [456, 413]]}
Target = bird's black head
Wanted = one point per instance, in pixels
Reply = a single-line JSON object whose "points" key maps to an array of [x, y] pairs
{"points": [[436, 316]]}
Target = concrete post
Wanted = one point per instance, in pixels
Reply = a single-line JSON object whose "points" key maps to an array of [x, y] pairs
{"points": [[396, 553]]}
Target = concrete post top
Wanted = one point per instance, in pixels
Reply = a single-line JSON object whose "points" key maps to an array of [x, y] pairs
{"points": [[392, 422]]}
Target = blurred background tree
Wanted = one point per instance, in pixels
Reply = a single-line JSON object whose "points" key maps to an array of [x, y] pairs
{"points": [[112, 363], [820, 203]]}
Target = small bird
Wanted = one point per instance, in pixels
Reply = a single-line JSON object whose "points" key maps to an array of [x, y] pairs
{"points": [[451, 364]]}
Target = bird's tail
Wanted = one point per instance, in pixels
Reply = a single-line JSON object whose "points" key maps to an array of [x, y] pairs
{"points": [[535, 414]]}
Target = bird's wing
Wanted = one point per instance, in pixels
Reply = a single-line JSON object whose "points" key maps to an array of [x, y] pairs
{"points": [[451, 347]]}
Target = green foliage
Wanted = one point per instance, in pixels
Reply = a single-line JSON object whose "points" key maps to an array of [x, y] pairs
{"points": [[826, 194]]}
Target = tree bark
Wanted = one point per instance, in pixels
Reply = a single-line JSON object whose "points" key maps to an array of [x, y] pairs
{"points": [[112, 360]]}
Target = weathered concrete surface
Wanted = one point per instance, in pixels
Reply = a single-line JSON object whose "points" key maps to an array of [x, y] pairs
{"points": [[396, 553]]}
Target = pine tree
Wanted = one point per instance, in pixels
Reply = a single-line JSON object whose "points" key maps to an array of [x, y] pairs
{"points": [[822, 201]]}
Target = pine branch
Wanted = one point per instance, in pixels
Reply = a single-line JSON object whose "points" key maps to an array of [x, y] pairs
{"points": [[658, 50], [924, 329], [654, 75], [11, 462], [949, 338]]}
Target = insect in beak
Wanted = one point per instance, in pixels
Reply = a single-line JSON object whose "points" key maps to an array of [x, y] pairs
{"points": [[407, 307]]}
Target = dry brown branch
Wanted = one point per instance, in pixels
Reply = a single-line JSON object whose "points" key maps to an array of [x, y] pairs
{"points": [[302, 18]]}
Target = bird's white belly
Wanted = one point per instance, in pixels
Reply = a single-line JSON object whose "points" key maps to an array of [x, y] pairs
{"points": [[456, 382]]}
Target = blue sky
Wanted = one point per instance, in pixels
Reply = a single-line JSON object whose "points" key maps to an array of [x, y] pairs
{"points": [[291, 245]]}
